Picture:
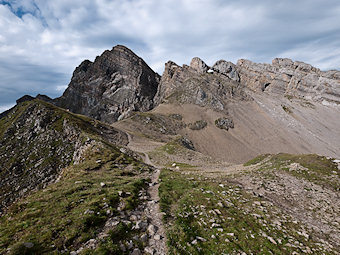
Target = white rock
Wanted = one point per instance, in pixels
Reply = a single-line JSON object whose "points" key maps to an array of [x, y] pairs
{"points": [[28, 245], [152, 230], [218, 211], [149, 250], [271, 240], [201, 239], [157, 237], [136, 252], [102, 184]]}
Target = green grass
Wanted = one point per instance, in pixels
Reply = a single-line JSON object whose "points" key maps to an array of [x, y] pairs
{"points": [[190, 206], [55, 218], [319, 169], [172, 147], [256, 160]]}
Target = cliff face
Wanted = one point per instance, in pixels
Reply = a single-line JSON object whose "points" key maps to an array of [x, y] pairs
{"points": [[200, 84], [108, 89], [296, 79]]}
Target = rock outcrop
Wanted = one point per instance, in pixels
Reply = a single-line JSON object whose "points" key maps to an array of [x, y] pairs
{"points": [[226, 68], [296, 79], [201, 85], [115, 84], [199, 65]]}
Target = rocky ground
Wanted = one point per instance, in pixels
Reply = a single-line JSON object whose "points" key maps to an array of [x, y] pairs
{"points": [[250, 209]]}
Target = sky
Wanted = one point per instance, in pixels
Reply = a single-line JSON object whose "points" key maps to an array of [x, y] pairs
{"points": [[42, 41]]}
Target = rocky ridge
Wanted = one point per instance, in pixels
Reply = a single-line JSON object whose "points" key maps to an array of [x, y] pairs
{"points": [[119, 82], [201, 85], [286, 77], [38, 140]]}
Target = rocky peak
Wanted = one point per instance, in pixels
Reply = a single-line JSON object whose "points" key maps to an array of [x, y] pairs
{"points": [[199, 84], [110, 88], [199, 65], [286, 77]]}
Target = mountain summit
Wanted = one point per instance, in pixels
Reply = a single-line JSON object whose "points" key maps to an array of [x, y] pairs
{"points": [[112, 86]]}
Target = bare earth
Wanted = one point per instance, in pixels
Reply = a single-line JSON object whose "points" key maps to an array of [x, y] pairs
{"points": [[157, 242]]}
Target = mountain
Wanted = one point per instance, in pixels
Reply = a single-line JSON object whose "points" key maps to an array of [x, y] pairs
{"points": [[219, 159], [108, 89], [268, 110]]}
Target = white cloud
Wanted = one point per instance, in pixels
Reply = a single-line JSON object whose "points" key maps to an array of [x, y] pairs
{"points": [[42, 41], [5, 107]]}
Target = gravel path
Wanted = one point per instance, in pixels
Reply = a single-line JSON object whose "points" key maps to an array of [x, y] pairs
{"points": [[156, 230]]}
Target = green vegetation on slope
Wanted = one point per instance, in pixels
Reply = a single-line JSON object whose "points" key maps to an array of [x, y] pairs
{"points": [[205, 217], [37, 140], [311, 167], [73, 210]]}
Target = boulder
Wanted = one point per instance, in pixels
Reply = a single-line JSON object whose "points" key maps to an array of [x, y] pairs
{"points": [[224, 123], [226, 68]]}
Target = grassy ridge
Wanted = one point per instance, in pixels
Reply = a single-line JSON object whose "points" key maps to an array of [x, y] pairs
{"points": [[73, 210]]}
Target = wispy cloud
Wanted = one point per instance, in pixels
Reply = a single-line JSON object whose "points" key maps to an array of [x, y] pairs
{"points": [[42, 41]]}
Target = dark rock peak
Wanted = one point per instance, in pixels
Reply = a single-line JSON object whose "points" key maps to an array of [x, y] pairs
{"points": [[110, 88], [44, 98], [24, 99]]}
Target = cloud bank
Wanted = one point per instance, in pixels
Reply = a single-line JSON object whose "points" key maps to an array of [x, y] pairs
{"points": [[42, 41]]}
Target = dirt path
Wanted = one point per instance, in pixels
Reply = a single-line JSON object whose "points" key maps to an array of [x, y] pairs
{"points": [[156, 230]]}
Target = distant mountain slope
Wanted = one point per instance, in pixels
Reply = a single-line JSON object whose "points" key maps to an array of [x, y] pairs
{"points": [[278, 117], [37, 140]]}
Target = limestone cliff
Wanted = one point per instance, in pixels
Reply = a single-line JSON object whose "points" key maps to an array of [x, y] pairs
{"points": [[286, 77]]}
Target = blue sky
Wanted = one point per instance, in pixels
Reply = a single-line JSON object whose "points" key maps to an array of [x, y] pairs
{"points": [[42, 41]]}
